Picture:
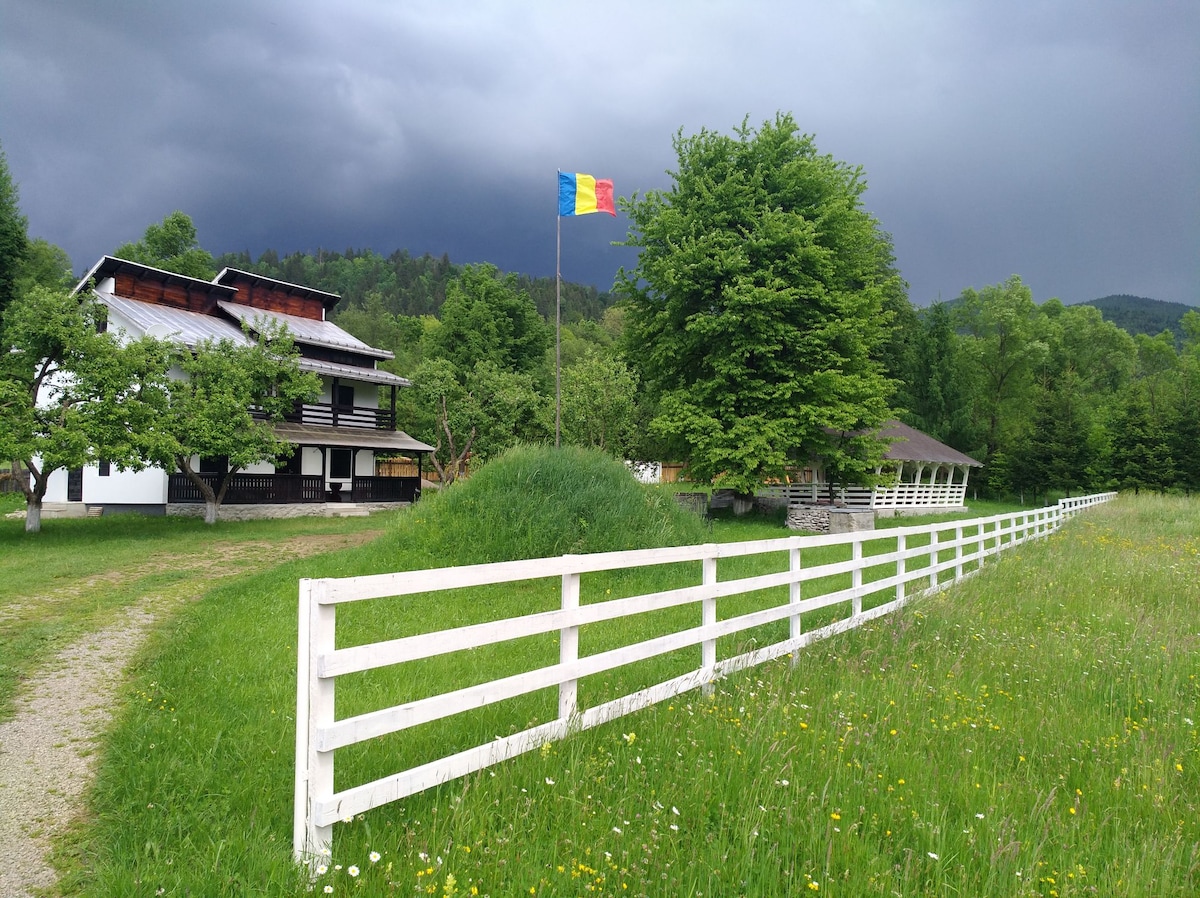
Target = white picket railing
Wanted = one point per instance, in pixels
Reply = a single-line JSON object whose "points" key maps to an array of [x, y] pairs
{"points": [[897, 495], [319, 735]]}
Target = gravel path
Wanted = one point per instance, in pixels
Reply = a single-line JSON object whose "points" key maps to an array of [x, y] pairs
{"points": [[48, 749]]}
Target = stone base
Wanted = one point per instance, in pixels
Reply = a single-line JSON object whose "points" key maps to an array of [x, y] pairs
{"points": [[304, 510], [826, 519], [851, 520]]}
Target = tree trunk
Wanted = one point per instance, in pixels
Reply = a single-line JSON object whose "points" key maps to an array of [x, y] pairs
{"points": [[34, 488], [449, 472], [212, 501], [33, 514]]}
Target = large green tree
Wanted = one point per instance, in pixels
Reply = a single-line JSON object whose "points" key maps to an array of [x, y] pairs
{"points": [[488, 318], [1002, 344], [14, 239], [172, 246], [224, 406], [71, 395], [756, 308], [44, 264], [598, 404]]}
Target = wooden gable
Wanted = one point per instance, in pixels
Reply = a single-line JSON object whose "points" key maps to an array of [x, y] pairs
{"points": [[181, 293], [277, 296]]}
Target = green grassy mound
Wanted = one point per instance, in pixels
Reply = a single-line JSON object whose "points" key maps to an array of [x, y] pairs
{"points": [[540, 502]]}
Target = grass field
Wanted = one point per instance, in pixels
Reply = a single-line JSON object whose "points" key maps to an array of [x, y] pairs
{"points": [[1030, 732]]}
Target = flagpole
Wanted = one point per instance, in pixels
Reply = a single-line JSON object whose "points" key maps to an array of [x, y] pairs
{"points": [[557, 325]]}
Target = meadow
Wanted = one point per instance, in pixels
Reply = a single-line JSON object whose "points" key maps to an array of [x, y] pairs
{"points": [[1029, 732]]}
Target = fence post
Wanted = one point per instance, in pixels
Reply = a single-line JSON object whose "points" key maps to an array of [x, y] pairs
{"points": [[901, 566], [856, 553], [314, 710], [708, 617], [794, 567], [568, 648], [933, 559], [300, 806], [958, 541]]}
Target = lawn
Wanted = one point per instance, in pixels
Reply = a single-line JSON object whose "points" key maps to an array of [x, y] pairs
{"points": [[1030, 732]]}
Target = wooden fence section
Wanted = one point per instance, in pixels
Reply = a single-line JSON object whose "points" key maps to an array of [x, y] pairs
{"points": [[947, 552]]}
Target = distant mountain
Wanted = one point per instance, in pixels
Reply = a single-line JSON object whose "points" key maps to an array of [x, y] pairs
{"points": [[1139, 315]]}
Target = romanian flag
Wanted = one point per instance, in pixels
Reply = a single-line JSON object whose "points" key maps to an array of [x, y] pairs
{"points": [[580, 194]]}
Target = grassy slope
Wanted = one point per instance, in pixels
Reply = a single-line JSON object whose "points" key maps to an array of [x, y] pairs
{"points": [[1042, 745]]}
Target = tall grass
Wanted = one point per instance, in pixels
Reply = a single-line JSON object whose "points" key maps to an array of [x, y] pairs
{"points": [[1031, 732]]}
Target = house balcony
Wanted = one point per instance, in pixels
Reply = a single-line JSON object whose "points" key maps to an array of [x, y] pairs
{"points": [[328, 414], [290, 489]]}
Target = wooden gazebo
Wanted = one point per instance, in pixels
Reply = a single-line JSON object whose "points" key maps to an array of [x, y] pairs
{"points": [[929, 477]]}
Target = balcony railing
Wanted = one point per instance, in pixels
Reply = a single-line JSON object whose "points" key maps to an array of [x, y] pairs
{"points": [[288, 489], [385, 489], [325, 414], [252, 489]]}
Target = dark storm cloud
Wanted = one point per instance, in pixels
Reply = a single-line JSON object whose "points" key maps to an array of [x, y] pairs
{"points": [[1058, 140]]}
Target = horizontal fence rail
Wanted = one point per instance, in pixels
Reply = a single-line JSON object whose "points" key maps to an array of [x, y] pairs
{"points": [[901, 563]]}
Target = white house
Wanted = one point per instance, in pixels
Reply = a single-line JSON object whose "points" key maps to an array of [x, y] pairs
{"points": [[337, 438]]}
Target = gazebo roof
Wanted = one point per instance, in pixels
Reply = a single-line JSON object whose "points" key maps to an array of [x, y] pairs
{"points": [[909, 444]]}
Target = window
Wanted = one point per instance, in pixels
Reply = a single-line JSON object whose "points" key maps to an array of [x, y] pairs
{"points": [[340, 461], [104, 467], [214, 464], [75, 485], [292, 464], [345, 396]]}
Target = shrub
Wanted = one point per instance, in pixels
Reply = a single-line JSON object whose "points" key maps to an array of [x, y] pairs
{"points": [[539, 502]]}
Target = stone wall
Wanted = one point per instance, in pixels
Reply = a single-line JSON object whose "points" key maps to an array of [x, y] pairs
{"points": [[812, 518], [824, 519]]}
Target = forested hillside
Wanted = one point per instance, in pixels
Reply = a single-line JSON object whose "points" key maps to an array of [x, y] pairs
{"points": [[1139, 315], [1052, 396], [405, 285]]}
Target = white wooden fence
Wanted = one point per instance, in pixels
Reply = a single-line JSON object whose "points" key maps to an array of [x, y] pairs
{"points": [[959, 547]]}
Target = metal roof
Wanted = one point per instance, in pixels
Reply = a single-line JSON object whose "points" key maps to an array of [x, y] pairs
{"points": [[167, 322], [351, 372], [350, 437], [306, 330], [192, 328]]}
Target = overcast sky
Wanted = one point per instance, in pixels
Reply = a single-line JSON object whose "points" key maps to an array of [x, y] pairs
{"points": [[1058, 140]]}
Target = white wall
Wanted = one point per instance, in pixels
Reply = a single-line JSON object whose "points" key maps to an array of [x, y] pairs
{"points": [[148, 487]]}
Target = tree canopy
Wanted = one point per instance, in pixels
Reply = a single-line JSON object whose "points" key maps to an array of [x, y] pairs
{"points": [[224, 406], [756, 308], [172, 246], [488, 318], [69, 394], [14, 239]]}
